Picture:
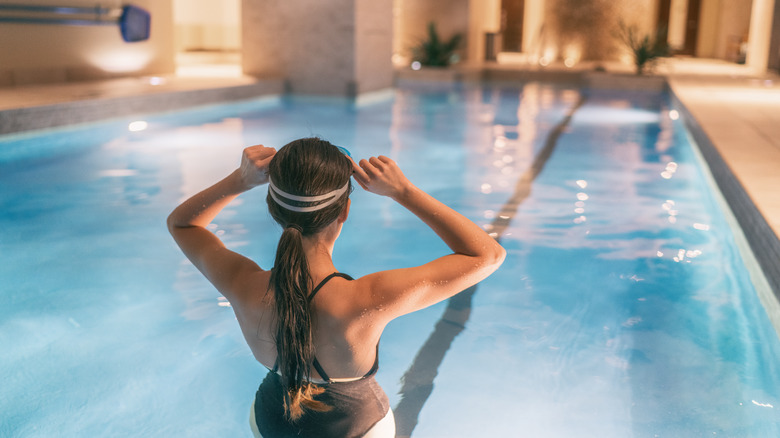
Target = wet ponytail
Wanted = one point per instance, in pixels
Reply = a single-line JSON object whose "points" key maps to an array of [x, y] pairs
{"points": [[303, 169], [294, 345]]}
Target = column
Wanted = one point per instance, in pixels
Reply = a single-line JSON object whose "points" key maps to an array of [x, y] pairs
{"points": [[334, 47], [760, 35], [533, 20]]}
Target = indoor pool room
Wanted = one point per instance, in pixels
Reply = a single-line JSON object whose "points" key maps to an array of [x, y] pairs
{"points": [[561, 219], [629, 303]]}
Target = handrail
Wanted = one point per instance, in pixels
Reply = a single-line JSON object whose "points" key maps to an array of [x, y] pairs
{"points": [[134, 22], [54, 9]]}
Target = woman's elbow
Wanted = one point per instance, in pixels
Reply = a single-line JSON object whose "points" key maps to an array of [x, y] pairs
{"points": [[493, 257], [497, 256], [170, 223], [173, 224]]}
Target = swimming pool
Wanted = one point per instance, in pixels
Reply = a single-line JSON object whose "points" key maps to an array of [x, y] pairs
{"points": [[623, 309]]}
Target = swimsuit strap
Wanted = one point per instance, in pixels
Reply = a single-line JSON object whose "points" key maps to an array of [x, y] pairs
{"points": [[375, 367], [316, 364], [325, 280]]}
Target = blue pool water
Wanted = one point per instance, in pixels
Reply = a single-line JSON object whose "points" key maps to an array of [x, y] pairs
{"points": [[623, 309]]}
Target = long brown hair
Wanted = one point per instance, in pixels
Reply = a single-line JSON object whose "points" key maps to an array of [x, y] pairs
{"points": [[305, 167]]}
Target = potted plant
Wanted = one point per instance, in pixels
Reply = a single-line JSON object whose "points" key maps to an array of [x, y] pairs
{"points": [[435, 52], [647, 49]]}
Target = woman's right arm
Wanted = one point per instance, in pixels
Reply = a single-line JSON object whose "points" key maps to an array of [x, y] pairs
{"points": [[475, 254]]}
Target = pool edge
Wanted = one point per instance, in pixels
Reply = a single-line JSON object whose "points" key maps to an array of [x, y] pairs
{"points": [[756, 240], [75, 112]]}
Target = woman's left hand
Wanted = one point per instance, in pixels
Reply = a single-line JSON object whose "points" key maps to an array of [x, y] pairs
{"points": [[254, 165]]}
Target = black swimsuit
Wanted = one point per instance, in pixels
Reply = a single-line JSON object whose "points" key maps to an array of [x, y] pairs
{"points": [[356, 406]]}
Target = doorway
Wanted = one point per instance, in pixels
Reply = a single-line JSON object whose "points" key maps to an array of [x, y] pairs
{"points": [[512, 15], [681, 19]]}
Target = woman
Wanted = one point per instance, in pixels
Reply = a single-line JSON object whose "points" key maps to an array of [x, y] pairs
{"points": [[317, 330]]}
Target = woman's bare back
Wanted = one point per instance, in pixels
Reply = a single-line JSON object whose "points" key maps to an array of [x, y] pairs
{"points": [[345, 338]]}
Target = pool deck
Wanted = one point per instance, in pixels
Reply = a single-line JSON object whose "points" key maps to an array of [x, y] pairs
{"points": [[737, 111]]}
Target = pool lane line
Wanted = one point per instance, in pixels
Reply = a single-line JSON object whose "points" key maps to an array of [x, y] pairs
{"points": [[417, 381]]}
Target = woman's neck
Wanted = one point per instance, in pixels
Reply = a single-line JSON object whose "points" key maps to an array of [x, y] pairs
{"points": [[319, 255], [319, 249]]}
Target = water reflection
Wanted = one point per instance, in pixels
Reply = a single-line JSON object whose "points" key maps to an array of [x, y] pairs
{"points": [[418, 380]]}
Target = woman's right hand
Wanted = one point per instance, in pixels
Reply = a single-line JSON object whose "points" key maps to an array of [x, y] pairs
{"points": [[382, 176], [254, 165]]}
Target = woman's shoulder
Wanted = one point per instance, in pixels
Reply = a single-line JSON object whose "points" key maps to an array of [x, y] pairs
{"points": [[401, 291], [352, 299], [253, 291], [342, 296]]}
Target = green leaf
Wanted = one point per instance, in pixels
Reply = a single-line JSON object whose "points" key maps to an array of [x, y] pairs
{"points": [[434, 51]]}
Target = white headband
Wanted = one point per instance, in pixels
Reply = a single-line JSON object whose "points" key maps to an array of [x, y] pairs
{"points": [[334, 195]]}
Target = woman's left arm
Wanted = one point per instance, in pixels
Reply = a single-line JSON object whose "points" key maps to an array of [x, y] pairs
{"points": [[225, 269]]}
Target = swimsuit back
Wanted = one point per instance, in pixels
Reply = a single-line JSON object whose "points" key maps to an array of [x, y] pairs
{"points": [[355, 406]]}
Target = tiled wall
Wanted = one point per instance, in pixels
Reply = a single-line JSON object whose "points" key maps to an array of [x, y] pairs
{"points": [[319, 47]]}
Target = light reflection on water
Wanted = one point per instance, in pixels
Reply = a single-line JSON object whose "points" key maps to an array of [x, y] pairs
{"points": [[626, 323]]}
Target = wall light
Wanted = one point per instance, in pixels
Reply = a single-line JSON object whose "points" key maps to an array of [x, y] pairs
{"points": [[123, 59], [136, 126]]}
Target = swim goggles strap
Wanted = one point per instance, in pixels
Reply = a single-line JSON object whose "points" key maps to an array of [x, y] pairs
{"points": [[334, 196]]}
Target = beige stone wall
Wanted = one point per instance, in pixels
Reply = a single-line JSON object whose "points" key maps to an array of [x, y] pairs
{"points": [[308, 42], [590, 29], [317, 46], [34, 53], [640, 13]]}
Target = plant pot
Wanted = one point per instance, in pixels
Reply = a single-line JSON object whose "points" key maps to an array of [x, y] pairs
{"points": [[625, 81]]}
